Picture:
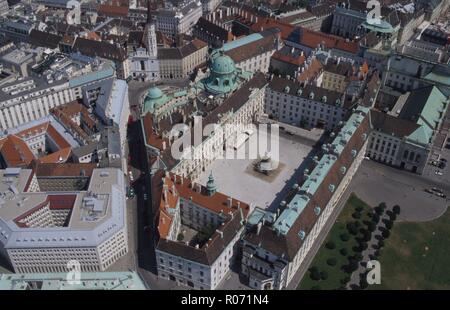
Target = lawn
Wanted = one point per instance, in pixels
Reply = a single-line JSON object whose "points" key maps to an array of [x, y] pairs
{"points": [[416, 256], [335, 273]]}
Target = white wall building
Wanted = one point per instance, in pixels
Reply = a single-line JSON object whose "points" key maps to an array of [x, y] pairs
{"points": [[93, 232], [175, 21], [309, 106]]}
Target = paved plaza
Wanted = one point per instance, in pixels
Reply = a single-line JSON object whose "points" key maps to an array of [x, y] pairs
{"points": [[236, 177]]}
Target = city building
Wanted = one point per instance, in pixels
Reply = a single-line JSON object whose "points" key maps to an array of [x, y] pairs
{"points": [[52, 228], [199, 229], [4, 7], [126, 280], [211, 33], [180, 62], [305, 106], [144, 58], [276, 244], [178, 20], [252, 53], [405, 137]]}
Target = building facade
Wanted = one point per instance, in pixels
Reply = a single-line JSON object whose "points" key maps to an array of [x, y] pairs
{"points": [[52, 229]]}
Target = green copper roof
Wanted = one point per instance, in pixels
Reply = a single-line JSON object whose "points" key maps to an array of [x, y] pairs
{"points": [[430, 117], [295, 207], [154, 99], [154, 93], [211, 185], [383, 26], [223, 74], [435, 77], [420, 136], [58, 281], [242, 41]]}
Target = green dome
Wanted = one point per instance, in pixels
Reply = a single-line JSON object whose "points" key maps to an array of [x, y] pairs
{"points": [[223, 64], [154, 93], [154, 99], [223, 74]]}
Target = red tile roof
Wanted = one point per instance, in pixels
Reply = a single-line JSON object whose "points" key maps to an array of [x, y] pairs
{"points": [[267, 23], [312, 39]]}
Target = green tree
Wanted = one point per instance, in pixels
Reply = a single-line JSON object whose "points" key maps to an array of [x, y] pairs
{"points": [[330, 245], [332, 261], [396, 209]]}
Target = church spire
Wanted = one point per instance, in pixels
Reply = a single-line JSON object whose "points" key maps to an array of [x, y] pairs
{"points": [[210, 185]]}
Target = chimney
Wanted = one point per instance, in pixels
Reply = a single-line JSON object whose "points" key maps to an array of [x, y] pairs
{"points": [[258, 228], [220, 232], [165, 192]]}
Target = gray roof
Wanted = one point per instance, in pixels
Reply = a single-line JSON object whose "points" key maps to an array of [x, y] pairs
{"points": [[108, 183]]}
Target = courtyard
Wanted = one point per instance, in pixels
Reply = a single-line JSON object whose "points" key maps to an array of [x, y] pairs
{"points": [[238, 179]]}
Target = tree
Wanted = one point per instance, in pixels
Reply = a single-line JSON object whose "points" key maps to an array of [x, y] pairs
{"points": [[363, 283], [343, 251], [382, 206], [345, 280], [396, 209], [380, 244], [352, 266], [332, 261], [392, 216], [371, 226], [385, 234], [315, 275], [316, 288], [330, 245], [375, 218], [324, 275], [345, 237], [367, 235], [378, 210], [389, 224], [356, 215], [352, 229], [359, 209]]}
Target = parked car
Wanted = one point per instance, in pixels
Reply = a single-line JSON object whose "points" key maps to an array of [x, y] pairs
{"points": [[437, 172], [429, 191], [437, 190]]}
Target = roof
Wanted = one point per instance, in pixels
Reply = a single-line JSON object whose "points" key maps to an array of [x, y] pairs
{"points": [[212, 29], [295, 88], [252, 49], [426, 107], [41, 38], [178, 188], [283, 238], [112, 10], [99, 49], [267, 23], [58, 281], [391, 125], [64, 170], [312, 39]]}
